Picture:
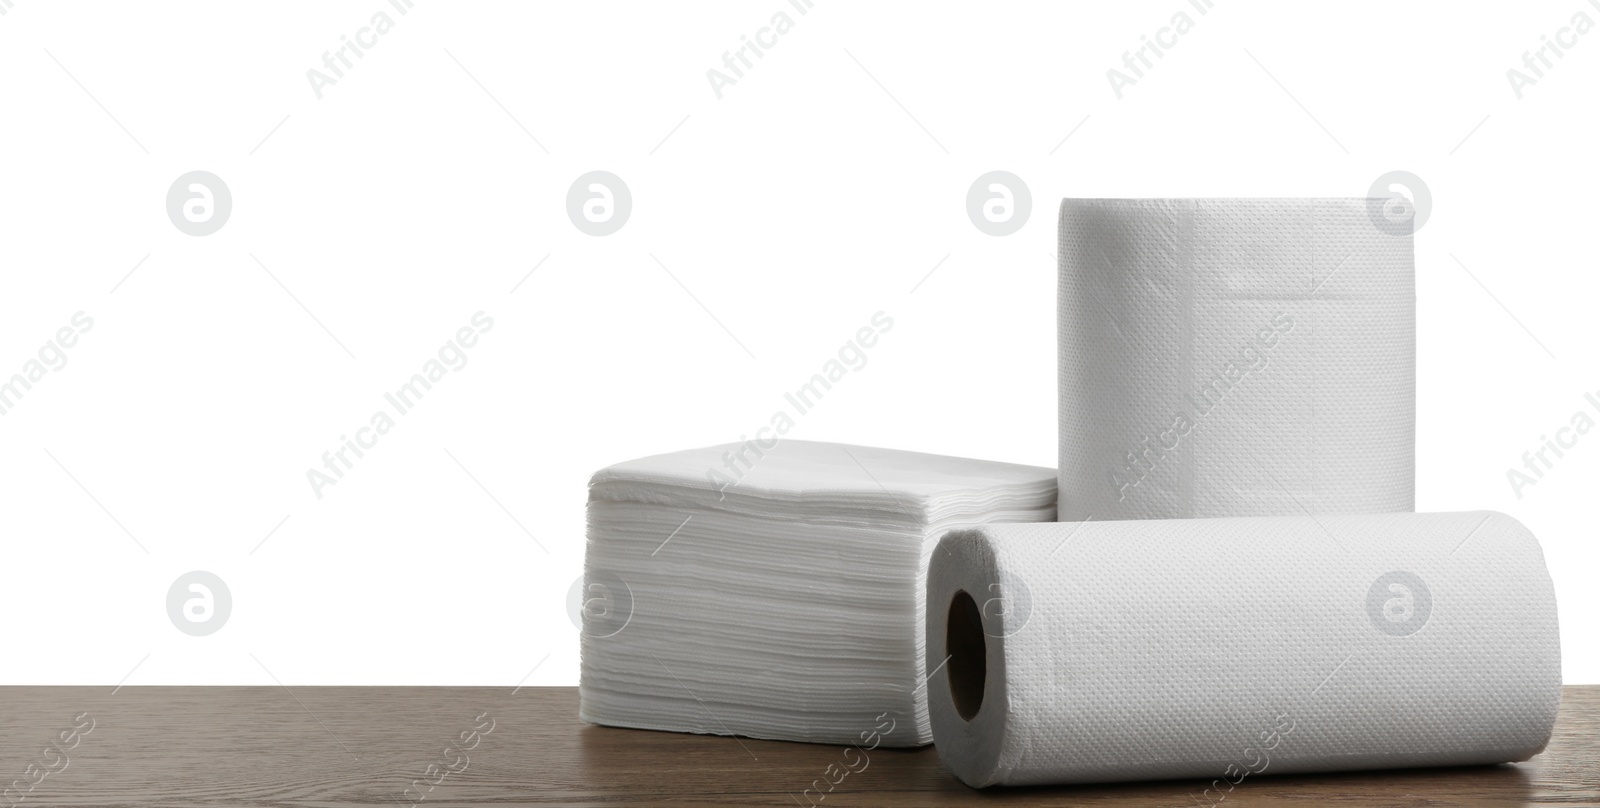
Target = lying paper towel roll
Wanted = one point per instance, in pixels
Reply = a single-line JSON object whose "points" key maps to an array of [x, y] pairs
{"points": [[1226, 648], [1235, 357]]}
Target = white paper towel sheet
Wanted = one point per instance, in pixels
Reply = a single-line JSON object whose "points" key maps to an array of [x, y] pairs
{"points": [[777, 591], [1234, 357], [1222, 649]]}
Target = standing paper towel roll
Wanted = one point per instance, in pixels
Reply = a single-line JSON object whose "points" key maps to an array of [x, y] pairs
{"points": [[1235, 357], [1227, 648]]}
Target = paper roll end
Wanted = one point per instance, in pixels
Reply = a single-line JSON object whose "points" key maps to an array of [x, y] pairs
{"points": [[966, 644]]}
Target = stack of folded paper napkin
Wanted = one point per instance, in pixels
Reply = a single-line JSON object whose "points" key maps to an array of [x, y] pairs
{"points": [[776, 590]]}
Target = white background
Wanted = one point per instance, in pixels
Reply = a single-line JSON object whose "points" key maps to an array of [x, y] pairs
{"points": [[793, 208]]}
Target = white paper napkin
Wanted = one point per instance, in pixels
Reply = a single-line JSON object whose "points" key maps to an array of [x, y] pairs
{"points": [[777, 592]]}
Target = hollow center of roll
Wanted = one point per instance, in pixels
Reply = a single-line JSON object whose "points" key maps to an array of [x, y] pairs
{"points": [[968, 665]]}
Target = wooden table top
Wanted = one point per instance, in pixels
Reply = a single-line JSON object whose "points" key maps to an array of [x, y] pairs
{"points": [[385, 746]]}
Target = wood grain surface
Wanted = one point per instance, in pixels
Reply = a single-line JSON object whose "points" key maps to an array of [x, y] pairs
{"points": [[386, 746]]}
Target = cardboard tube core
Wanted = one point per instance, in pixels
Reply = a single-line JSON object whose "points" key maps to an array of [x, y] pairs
{"points": [[968, 665]]}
